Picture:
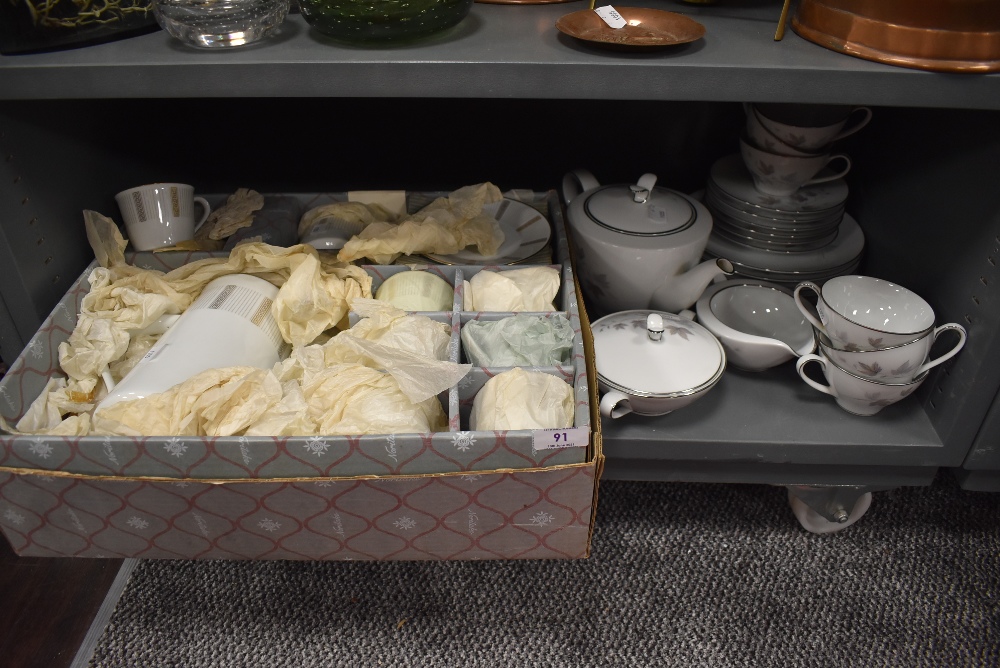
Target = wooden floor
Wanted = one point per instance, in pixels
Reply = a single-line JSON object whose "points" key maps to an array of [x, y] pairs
{"points": [[47, 606]]}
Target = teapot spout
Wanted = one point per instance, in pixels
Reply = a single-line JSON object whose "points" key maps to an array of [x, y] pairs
{"points": [[681, 291]]}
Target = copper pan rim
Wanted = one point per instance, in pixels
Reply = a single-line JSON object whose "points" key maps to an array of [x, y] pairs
{"points": [[937, 49]]}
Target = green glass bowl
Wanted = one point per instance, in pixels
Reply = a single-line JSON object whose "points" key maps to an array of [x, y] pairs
{"points": [[383, 20]]}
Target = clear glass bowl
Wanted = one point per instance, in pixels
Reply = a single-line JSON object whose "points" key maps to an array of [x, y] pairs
{"points": [[383, 20], [220, 23]]}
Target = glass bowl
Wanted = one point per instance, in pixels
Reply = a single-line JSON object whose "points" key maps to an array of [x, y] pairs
{"points": [[220, 23], [383, 20]]}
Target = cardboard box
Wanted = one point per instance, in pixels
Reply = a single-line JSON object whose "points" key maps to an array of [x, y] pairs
{"points": [[449, 495]]}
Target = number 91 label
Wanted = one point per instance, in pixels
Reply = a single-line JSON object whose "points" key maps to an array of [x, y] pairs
{"points": [[552, 439]]}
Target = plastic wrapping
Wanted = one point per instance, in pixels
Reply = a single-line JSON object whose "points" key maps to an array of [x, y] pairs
{"points": [[519, 340], [520, 399]]}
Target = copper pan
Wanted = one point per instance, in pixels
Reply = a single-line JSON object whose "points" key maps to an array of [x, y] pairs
{"points": [[938, 35]]}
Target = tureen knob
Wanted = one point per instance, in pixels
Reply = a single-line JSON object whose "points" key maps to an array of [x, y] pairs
{"points": [[643, 187], [639, 194], [654, 326]]}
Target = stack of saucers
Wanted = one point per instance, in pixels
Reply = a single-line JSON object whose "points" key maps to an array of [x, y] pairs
{"points": [[782, 238]]}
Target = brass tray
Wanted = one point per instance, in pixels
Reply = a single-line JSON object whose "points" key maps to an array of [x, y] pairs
{"points": [[646, 28], [937, 35], [523, 2]]}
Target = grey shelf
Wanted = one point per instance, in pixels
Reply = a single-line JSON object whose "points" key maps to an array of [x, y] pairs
{"points": [[771, 427], [751, 417], [505, 75], [499, 51]]}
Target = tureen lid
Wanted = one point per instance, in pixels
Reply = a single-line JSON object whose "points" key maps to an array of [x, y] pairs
{"points": [[642, 209], [653, 353]]}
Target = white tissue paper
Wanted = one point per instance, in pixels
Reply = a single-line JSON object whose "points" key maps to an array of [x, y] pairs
{"points": [[520, 399], [527, 289], [382, 377]]}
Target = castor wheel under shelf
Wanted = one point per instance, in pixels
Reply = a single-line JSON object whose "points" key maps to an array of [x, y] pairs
{"points": [[813, 521]]}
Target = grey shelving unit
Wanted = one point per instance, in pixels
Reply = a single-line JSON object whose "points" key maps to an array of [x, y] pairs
{"points": [[505, 97]]}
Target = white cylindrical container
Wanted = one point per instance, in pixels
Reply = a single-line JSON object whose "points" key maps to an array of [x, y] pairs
{"points": [[230, 324]]}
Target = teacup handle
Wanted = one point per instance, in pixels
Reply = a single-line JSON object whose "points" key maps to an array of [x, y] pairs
{"points": [[807, 312], [800, 368], [951, 326], [865, 119], [831, 177], [615, 404], [576, 182], [204, 216]]}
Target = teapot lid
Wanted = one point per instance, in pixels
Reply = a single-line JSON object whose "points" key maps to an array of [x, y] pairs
{"points": [[655, 354], [642, 209]]}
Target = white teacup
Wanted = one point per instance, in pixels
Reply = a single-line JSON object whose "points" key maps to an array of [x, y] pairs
{"points": [[898, 364], [861, 396], [866, 313], [159, 215], [762, 138], [782, 175], [811, 127]]}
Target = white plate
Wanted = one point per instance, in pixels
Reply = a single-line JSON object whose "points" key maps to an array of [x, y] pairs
{"points": [[731, 176], [712, 200], [845, 248], [526, 232], [805, 232]]}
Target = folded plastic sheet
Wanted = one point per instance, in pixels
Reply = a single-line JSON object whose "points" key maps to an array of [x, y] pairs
{"points": [[522, 399], [124, 300], [348, 385], [385, 324], [445, 226], [276, 223], [527, 289], [519, 340], [383, 375]]}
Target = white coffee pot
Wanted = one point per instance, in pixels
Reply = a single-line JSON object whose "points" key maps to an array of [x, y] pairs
{"points": [[229, 324], [638, 246]]}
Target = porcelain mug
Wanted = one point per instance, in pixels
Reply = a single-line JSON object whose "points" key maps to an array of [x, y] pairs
{"points": [[897, 364], [810, 137], [857, 395], [160, 215], [782, 175], [230, 324], [758, 135], [865, 313]]}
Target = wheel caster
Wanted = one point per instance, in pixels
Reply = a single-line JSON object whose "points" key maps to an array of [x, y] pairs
{"points": [[814, 522]]}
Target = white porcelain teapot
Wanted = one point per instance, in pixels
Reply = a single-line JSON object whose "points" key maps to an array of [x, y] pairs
{"points": [[638, 246]]}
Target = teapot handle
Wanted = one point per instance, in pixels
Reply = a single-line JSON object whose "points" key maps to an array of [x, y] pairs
{"points": [[576, 182]]}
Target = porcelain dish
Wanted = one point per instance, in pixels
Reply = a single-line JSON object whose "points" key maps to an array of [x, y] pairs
{"points": [[654, 362], [756, 322], [730, 176], [857, 395], [526, 232], [638, 246], [866, 313], [842, 251], [896, 364]]}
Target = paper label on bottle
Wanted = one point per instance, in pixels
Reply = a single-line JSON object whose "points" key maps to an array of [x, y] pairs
{"points": [[611, 16], [553, 439]]}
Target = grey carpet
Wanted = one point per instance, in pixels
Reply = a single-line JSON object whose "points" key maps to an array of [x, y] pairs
{"points": [[681, 575]]}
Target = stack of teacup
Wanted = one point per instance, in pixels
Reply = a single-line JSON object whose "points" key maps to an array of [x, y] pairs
{"points": [[788, 146], [875, 340]]}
